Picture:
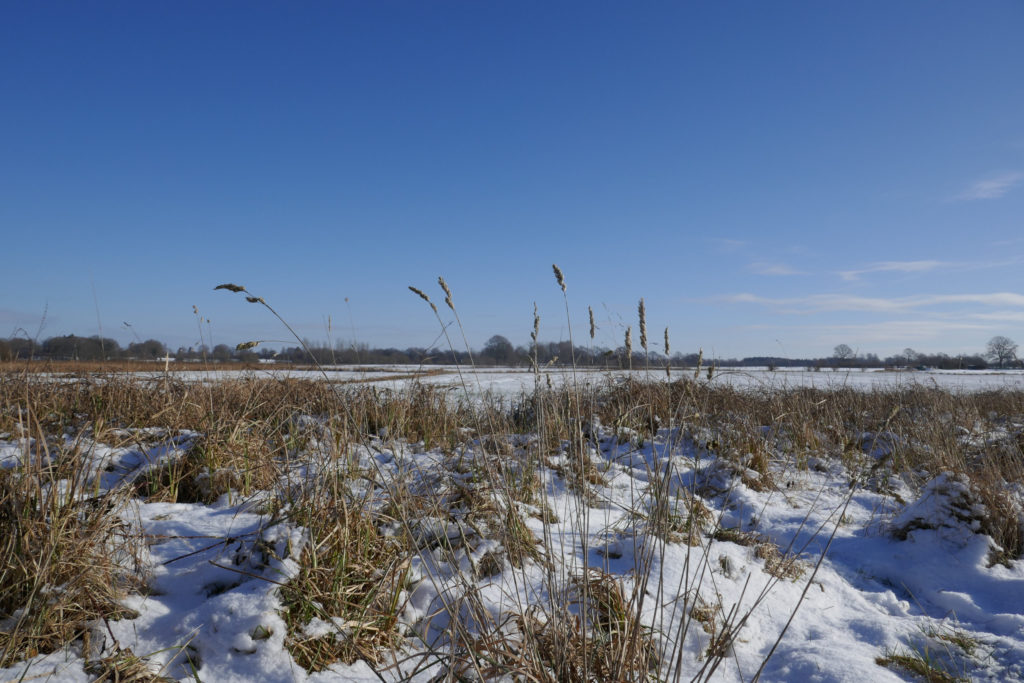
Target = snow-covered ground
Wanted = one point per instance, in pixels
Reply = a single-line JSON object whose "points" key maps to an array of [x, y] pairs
{"points": [[901, 573], [511, 382]]}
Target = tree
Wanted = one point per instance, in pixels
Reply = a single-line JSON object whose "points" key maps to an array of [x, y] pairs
{"points": [[1001, 349], [842, 352], [221, 353], [499, 350], [151, 349]]}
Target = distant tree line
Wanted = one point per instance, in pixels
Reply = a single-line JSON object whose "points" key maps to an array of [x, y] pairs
{"points": [[498, 351], [72, 347], [1000, 352]]}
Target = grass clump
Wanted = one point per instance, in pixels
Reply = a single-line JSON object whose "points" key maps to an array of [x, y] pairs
{"points": [[935, 653], [612, 645], [65, 562], [124, 666], [780, 564], [683, 518], [958, 638], [345, 601], [243, 462], [921, 663]]}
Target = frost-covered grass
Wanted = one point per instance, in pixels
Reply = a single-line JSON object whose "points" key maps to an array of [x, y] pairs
{"points": [[283, 529]]}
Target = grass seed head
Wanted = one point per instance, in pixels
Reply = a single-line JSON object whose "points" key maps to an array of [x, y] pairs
{"points": [[422, 295], [558, 276], [230, 287], [668, 360], [642, 311], [447, 292]]}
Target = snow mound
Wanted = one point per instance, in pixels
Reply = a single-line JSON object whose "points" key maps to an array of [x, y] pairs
{"points": [[947, 505]]}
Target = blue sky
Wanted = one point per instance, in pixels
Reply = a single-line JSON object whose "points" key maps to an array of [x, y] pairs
{"points": [[773, 178]]}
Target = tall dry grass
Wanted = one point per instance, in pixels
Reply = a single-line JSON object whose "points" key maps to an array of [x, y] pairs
{"points": [[497, 463], [66, 557]]}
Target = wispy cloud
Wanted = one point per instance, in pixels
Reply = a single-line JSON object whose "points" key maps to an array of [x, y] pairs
{"points": [[763, 268], [1008, 242], [819, 303], [896, 331], [726, 244], [824, 303], [895, 334], [925, 266], [992, 187], [999, 316], [893, 266]]}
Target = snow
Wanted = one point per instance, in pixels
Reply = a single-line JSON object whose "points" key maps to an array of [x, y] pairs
{"points": [[512, 382], [895, 575]]}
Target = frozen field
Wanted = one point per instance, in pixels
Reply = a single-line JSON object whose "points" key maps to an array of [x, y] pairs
{"points": [[511, 382]]}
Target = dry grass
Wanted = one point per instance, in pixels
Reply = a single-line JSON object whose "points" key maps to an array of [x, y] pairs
{"points": [[921, 664], [554, 645], [355, 565], [344, 603], [66, 559], [613, 646], [124, 666]]}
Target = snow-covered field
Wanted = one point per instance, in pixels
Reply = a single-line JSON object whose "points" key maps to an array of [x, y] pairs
{"points": [[511, 382], [789, 573]]}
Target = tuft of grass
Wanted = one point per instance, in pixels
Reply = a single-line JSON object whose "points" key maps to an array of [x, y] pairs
{"points": [[345, 602], [782, 565], [934, 654], [611, 645], [958, 638], [242, 461], [778, 563], [683, 519], [736, 535], [921, 663], [66, 560], [123, 666]]}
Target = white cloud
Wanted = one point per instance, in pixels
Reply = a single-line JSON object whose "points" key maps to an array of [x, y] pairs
{"points": [[993, 299], [893, 266], [897, 332], [925, 266], [822, 303], [818, 303], [762, 268], [999, 316], [992, 187]]}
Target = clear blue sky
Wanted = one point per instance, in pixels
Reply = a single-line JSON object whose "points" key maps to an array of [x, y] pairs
{"points": [[773, 177]]}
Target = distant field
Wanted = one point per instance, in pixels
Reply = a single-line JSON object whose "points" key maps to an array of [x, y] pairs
{"points": [[510, 382]]}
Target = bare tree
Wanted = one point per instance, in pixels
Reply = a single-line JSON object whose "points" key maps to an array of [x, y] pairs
{"points": [[842, 352], [499, 350], [1001, 349]]}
